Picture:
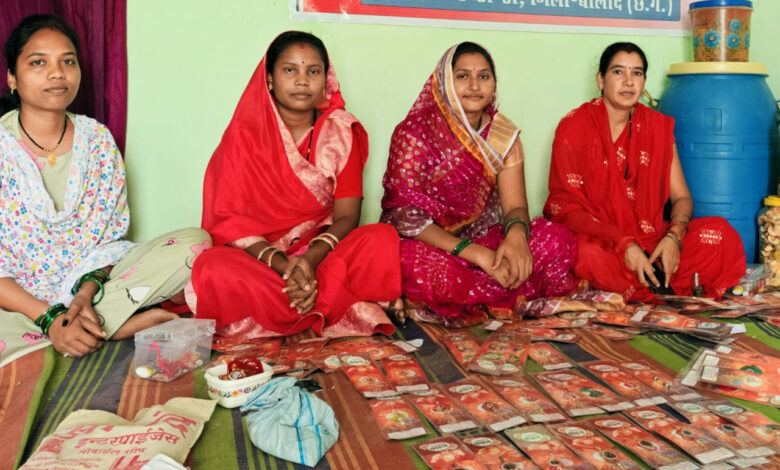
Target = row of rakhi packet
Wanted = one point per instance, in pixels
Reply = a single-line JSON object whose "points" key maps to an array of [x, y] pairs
{"points": [[713, 438]]}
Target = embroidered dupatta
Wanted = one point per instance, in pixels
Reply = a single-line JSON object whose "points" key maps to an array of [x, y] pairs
{"points": [[257, 184], [441, 170], [592, 194], [44, 250]]}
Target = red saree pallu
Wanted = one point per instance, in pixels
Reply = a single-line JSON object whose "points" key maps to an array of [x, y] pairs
{"points": [[612, 194], [441, 171], [259, 186]]}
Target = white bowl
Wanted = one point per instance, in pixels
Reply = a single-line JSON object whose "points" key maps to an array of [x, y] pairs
{"points": [[233, 393]]}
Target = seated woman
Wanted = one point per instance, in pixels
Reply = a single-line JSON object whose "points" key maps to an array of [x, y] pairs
{"points": [[65, 269], [614, 168], [455, 167], [282, 198]]}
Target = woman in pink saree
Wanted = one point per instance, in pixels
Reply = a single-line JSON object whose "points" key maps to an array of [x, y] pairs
{"points": [[455, 191]]}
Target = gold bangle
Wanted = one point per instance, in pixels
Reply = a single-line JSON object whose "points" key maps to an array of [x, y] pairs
{"points": [[262, 252], [271, 256], [333, 238], [681, 214], [323, 240]]}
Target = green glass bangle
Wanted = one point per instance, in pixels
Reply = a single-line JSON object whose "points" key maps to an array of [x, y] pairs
{"points": [[97, 281], [45, 320], [461, 246], [517, 220], [97, 276]]}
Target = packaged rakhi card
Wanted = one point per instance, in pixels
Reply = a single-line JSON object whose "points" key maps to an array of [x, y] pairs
{"points": [[592, 447], [544, 449], [463, 346], [548, 357], [614, 333], [484, 404], [735, 437], [694, 441], [490, 357], [744, 379], [390, 348], [578, 315], [264, 349], [624, 383], [405, 373], [589, 390], [497, 454], [366, 376], [285, 361], [441, 410], [447, 453], [741, 359], [756, 424], [573, 403], [554, 322], [549, 334], [613, 318], [650, 449], [659, 381], [529, 401], [747, 395], [515, 363], [327, 359], [396, 418]]}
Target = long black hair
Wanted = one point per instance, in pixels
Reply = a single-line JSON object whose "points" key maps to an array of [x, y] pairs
{"points": [[19, 38], [287, 39]]}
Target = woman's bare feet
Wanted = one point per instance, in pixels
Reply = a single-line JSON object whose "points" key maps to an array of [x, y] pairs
{"points": [[142, 321]]}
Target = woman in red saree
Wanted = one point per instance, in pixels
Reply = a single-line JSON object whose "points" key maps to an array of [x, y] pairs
{"points": [[281, 198], [455, 166], [614, 168]]}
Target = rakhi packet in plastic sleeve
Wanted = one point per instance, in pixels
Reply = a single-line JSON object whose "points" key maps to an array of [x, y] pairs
{"points": [[447, 453], [692, 440], [515, 363], [739, 440], [744, 379], [592, 447], [545, 449], [554, 323], [747, 395], [573, 403], [391, 348], [594, 393], [366, 376], [497, 454], [602, 300], [405, 373], [548, 357], [586, 315], [530, 402], [396, 418], [264, 349], [659, 381], [624, 383], [442, 411], [327, 359], [463, 346], [731, 357], [549, 334], [484, 404], [493, 353], [650, 449], [756, 424], [614, 333], [285, 361], [613, 318]]}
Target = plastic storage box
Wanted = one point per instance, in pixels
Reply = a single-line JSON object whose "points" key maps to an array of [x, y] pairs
{"points": [[166, 351], [720, 30]]}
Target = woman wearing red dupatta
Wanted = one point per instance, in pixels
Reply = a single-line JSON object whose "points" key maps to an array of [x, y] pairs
{"points": [[455, 166], [614, 168], [282, 199]]}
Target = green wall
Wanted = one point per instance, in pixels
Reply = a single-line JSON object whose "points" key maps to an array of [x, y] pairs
{"points": [[189, 61]]}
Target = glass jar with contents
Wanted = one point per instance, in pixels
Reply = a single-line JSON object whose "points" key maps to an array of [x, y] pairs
{"points": [[769, 239]]}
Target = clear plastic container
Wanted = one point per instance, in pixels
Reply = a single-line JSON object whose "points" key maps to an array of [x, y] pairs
{"points": [[720, 30], [169, 350], [769, 239]]}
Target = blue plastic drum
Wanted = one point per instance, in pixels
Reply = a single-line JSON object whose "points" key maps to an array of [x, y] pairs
{"points": [[726, 129]]}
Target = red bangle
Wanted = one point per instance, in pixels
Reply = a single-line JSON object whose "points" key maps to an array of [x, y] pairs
{"points": [[623, 245]]}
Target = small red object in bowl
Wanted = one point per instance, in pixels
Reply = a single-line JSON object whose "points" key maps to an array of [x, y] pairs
{"points": [[246, 364]]}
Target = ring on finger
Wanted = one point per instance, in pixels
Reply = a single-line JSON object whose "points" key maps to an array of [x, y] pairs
{"points": [[65, 354]]}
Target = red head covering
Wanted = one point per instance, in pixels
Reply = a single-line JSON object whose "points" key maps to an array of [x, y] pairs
{"points": [[258, 184]]}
